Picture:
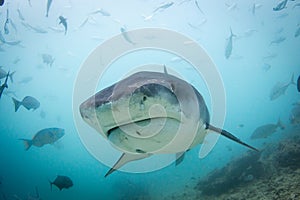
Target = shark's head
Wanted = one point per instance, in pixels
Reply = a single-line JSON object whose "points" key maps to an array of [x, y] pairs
{"points": [[143, 112]]}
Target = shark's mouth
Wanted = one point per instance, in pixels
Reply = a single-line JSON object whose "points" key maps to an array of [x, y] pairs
{"points": [[143, 136]]}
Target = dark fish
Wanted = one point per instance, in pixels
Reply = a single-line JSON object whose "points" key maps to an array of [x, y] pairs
{"points": [[1, 2], [28, 102], [4, 85], [266, 130], [48, 59], [6, 30], [298, 83], [63, 21], [228, 48], [280, 5], [43, 137], [48, 7], [61, 182]]}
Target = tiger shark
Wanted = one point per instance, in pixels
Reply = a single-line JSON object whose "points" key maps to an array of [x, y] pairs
{"points": [[150, 113]]}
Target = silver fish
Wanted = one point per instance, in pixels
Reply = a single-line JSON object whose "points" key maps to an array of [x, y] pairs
{"points": [[281, 5], [265, 131], [163, 6], [138, 93], [197, 5], [228, 49], [100, 11], [280, 88], [126, 36], [28, 102], [278, 40], [43, 137]]}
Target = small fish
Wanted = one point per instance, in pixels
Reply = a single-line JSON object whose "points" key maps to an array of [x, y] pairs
{"points": [[6, 30], [228, 49], [126, 36], [278, 40], [280, 88], [281, 5], [270, 56], [36, 28], [20, 15], [197, 4], [163, 6], [266, 130], [266, 67], [49, 2], [101, 11], [63, 21], [48, 59], [295, 115], [61, 182], [297, 33], [16, 60], [4, 85], [43, 137], [298, 84], [231, 7], [3, 74], [28, 102]]}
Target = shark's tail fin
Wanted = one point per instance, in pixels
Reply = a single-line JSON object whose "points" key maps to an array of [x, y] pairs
{"points": [[229, 135], [17, 104]]}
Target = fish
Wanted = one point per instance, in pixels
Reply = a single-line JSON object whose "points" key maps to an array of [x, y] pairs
{"points": [[281, 5], [297, 33], [1, 2], [254, 7], [231, 7], [280, 88], [48, 59], [265, 131], [63, 21], [49, 2], [295, 115], [126, 36], [266, 67], [6, 30], [278, 40], [228, 49], [138, 93], [3, 74], [28, 102], [37, 29], [4, 85], [163, 6], [43, 137], [61, 182], [197, 5], [100, 11], [298, 83]]}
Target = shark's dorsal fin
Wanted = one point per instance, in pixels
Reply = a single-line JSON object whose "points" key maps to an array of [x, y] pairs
{"points": [[165, 69], [125, 158]]}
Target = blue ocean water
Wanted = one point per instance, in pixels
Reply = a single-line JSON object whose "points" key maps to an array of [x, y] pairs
{"points": [[246, 79]]}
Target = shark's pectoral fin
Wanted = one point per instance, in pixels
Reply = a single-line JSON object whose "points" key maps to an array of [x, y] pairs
{"points": [[179, 158], [228, 135], [125, 158]]}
